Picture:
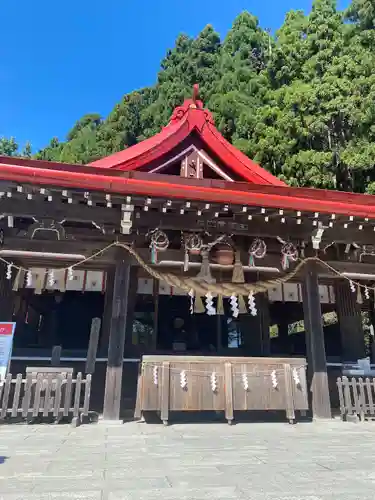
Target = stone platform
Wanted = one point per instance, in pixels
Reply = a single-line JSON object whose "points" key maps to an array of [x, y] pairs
{"points": [[135, 461]]}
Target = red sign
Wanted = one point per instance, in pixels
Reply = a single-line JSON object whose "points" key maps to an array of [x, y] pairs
{"points": [[6, 328]]}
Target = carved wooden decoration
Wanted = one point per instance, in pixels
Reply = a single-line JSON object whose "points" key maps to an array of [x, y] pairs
{"points": [[192, 166]]}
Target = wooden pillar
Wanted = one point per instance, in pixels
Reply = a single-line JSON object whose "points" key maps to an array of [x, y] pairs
{"points": [[107, 311], [255, 330], [350, 321], [155, 293], [316, 355], [6, 295], [113, 382], [132, 300]]}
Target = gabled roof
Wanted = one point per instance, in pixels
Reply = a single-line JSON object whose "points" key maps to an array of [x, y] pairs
{"points": [[186, 119]]}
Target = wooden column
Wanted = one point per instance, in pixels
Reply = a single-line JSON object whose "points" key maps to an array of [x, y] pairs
{"points": [[6, 294], [316, 355], [132, 300], [256, 329], [107, 311], [113, 382], [155, 293], [350, 320]]}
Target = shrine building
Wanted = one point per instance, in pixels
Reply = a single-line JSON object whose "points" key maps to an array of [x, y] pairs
{"points": [[182, 245]]}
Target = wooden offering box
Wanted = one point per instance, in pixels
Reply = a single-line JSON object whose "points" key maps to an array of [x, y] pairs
{"points": [[202, 383]]}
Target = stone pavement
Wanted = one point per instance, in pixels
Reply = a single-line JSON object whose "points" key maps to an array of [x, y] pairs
{"points": [[135, 461]]}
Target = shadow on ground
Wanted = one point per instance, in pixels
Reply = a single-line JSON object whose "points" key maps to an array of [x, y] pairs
{"points": [[212, 417]]}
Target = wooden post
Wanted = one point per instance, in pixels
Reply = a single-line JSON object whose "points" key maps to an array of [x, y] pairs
{"points": [[155, 292], [316, 356], [6, 294], [219, 344], [56, 355], [113, 383], [350, 320], [107, 312], [132, 301], [93, 345]]}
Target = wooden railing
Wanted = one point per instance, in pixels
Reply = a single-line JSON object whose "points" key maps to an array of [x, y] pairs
{"points": [[54, 395], [206, 383], [357, 397]]}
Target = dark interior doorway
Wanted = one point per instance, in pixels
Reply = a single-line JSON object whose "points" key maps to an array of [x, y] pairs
{"points": [[54, 318]]}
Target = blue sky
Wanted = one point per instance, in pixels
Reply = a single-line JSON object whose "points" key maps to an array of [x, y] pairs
{"points": [[61, 60]]}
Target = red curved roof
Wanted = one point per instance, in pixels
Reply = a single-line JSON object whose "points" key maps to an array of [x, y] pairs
{"points": [[189, 117]]}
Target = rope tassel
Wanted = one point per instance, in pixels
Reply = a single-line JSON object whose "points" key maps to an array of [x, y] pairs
{"points": [[220, 305], [241, 305], [238, 274], [198, 305]]}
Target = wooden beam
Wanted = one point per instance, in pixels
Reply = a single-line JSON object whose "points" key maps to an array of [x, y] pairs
{"points": [[58, 211], [316, 356], [113, 383], [257, 227], [66, 246]]}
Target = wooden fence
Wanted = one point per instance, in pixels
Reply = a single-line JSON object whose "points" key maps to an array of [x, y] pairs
{"points": [[206, 383], [54, 395], [357, 397]]}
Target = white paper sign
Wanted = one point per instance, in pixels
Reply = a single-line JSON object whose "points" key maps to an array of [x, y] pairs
{"points": [[6, 344]]}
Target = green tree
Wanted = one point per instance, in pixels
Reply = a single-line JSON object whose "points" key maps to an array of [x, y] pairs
{"points": [[301, 103], [8, 147], [27, 151], [242, 83]]}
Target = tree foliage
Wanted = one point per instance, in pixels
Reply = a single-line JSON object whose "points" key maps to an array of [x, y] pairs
{"points": [[301, 102]]}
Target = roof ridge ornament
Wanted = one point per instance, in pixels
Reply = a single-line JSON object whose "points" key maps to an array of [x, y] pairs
{"points": [[192, 105], [195, 96]]}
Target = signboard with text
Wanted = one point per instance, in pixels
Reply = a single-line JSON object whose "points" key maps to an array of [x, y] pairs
{"points": [[6, 345]]}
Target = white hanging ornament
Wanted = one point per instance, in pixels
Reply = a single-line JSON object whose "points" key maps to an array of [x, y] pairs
{"points": [[191, 295], [211, 311], [367, 293], [183, 380], [245, 382], [296, 377], [159, 243], [51, 277], [70, 274], [29, 278], [257, 250], [9, 271], [155, 375], [213, 379], [193, 244], [274, 379], [352, 286], [252, 304], [289, 253], [234, 306]]}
